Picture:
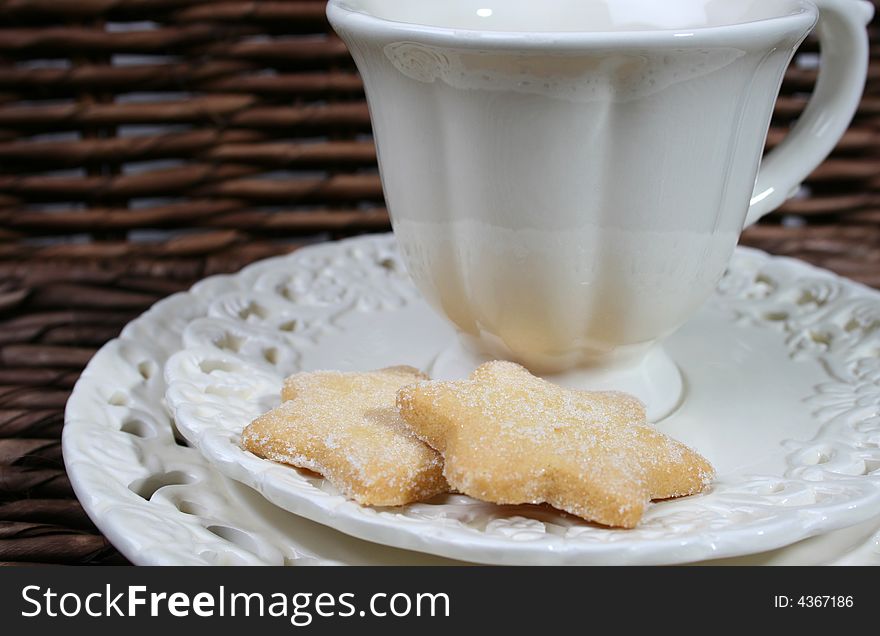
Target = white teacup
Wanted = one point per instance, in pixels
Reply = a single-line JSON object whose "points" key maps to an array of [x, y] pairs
{"points": [[567, 179]]}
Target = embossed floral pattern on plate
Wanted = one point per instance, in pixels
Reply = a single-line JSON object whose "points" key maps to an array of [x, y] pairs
{"points": [[291, 309]]}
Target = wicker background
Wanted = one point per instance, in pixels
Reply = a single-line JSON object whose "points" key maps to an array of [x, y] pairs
{"points": [[145, 144]]}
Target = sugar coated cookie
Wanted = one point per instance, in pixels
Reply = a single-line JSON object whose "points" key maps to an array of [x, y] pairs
{"points": [[346, 427], [510, 438]]}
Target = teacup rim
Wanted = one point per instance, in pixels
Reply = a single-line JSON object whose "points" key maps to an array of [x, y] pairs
{"points": [[800, 21]]}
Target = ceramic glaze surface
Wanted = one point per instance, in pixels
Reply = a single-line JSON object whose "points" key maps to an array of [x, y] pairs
{"points": [[575, 15], [162, 503], [782, 377], [567, 179], [568, 203]]}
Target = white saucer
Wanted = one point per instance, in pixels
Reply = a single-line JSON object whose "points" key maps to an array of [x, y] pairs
{"points": [[161, 503], [782, 368]]}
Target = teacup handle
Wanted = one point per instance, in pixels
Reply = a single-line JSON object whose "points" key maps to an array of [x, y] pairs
{"points": [[843, 41]]}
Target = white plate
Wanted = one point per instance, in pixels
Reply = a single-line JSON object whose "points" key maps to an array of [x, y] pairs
{"points": [[119, 445], [783, 374]]}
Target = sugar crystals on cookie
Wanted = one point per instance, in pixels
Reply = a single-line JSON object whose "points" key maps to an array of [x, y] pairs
{"points": [[346, 427], [509, 437]]}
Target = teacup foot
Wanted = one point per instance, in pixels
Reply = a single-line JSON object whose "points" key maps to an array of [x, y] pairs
{"points": [[653, 378]]}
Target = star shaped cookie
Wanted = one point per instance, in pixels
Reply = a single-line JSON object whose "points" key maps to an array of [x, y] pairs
{"points": [[509, 437], [346, 427]]}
